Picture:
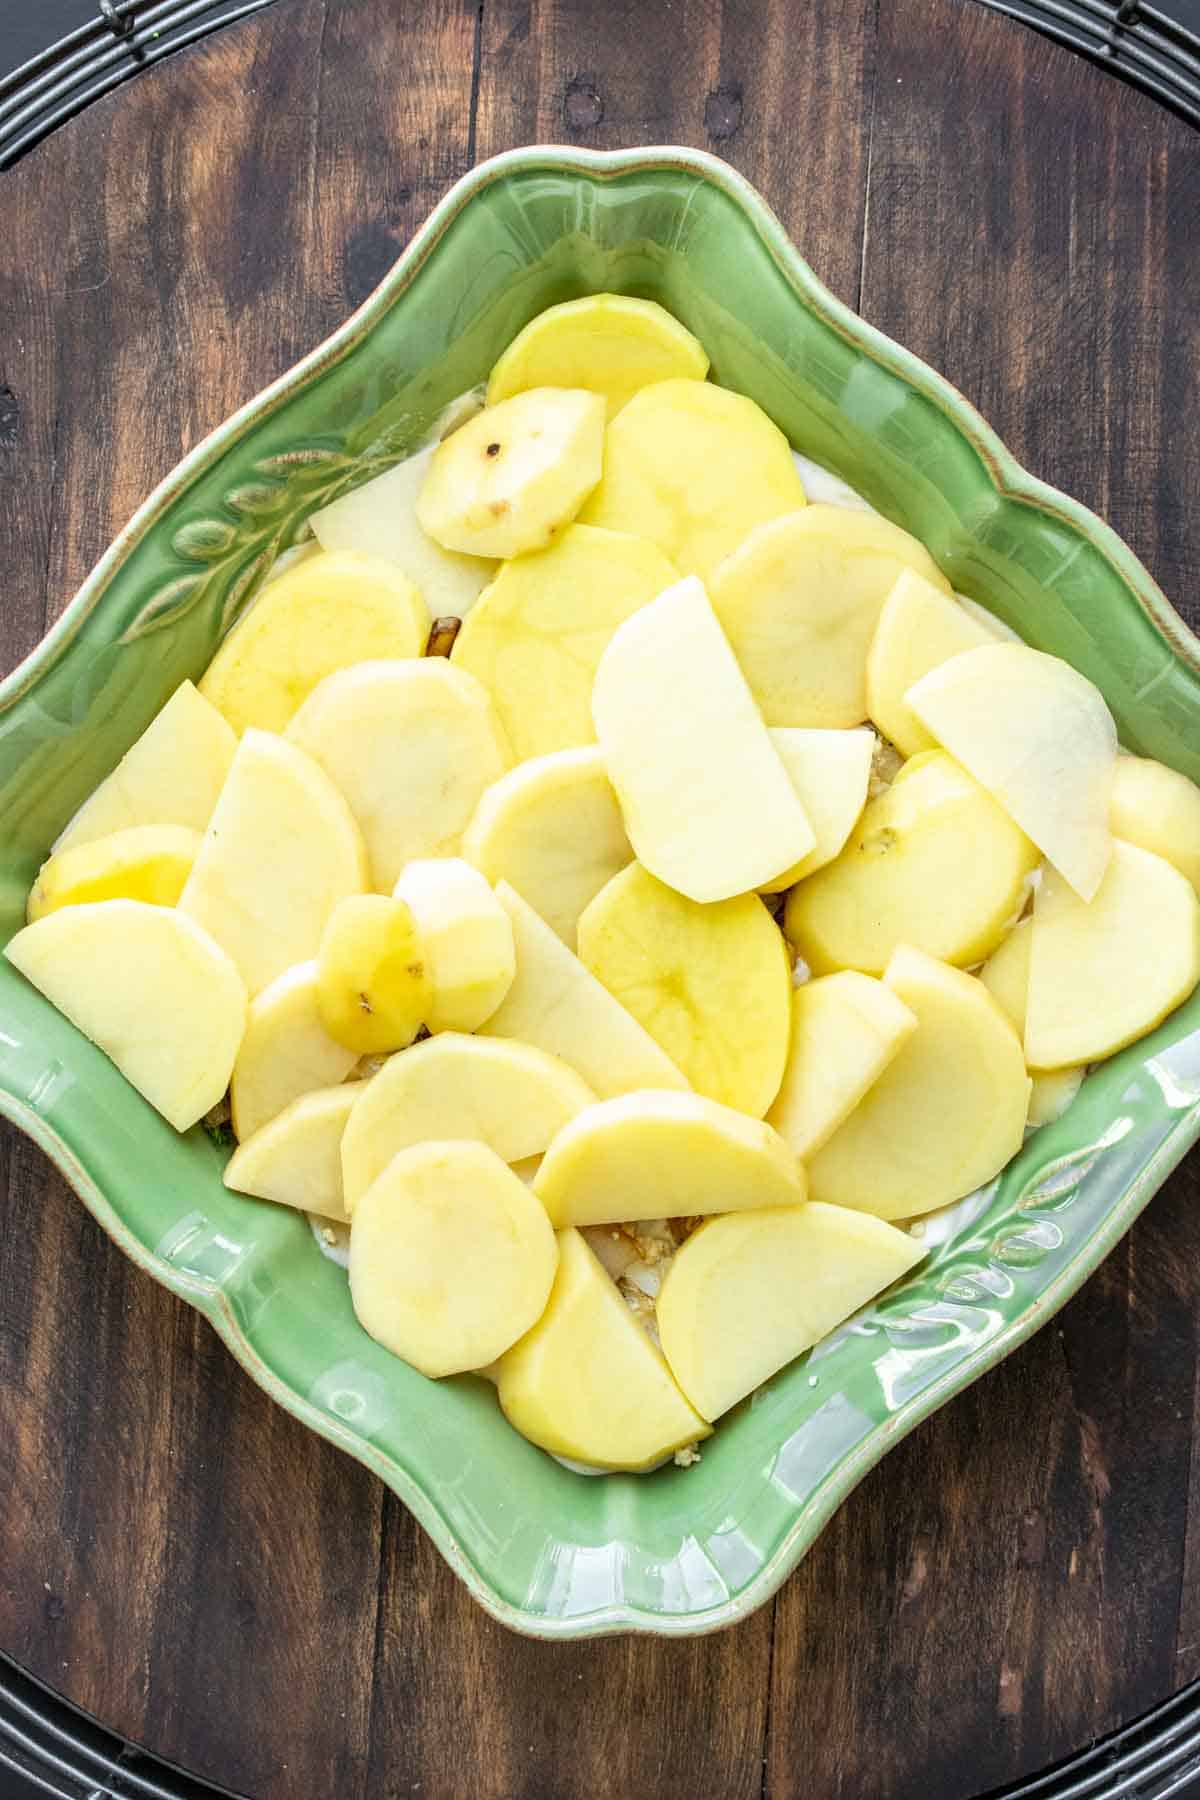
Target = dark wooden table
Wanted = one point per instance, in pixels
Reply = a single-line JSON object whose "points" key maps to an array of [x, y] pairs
{"points": [[177, 1555]]}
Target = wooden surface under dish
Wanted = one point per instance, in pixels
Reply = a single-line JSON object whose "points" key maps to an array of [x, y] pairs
{"points": [[176, 1554]]}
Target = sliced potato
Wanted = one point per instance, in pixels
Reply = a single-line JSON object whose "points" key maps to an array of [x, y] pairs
{"points": [[538, 633], [171, 776], [151, 988], [559, 1005], [707, 803], [845, 1031], [586, 1382], [799, 600], [946, 1114], [694, 467], [1157, 809], [611, 344], [1052, 1092], [451, 1257], [831, 773], [143, 862], [748, 1293], [374, 990], [1005, 974], [326, 613], [511, 478], [920, 626], [1102, 973], [412, 746], [641, 1154], [296, 1157], [466, 937], [711, 984], [934, 862], [280, 851], [553, 830], [512, 1097], [286, 1051]]}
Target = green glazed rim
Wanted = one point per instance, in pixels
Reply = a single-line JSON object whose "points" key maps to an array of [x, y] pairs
{"points": [[546, 1551]]}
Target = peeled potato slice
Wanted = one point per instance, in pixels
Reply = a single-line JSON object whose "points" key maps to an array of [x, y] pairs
{"points": [[374, 990], [412, 746], [694, 467], [509, 1096], [555, 1003], [586, 1382], [831, 772], [329, 611], [934, 862], [280, 851], [1103, 973], [296, 1157], [642, 1154], [946, 1114], [799, 601], [919, 627], [845, 1031], [539, 631], [1005, 974], [143, 862], [1052, 1092], [511, 478], [707, 803], [1157, 809], [171, 776], [451, 1257], [467, 941], [1040, 738], [379, 519], [286, 1051], [152, 989], [748, 1293], [611, 344], [553, 830], [710, 984]]}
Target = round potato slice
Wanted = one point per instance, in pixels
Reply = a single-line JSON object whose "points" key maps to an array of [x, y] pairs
{"points": [[374, 990], [695, 468], [1005, 974], [509, 1096], [611, 344], [327, 612], [710, 984], [1157, 809], [466, 939], [451, 1257], [144, 862], [286, 1051]]}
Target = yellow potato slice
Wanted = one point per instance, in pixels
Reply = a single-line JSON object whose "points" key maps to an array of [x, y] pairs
{"points": [[1052, 1092], [451, 1257], [946, 1114], [1005, 974], [747, 1294], [538, 633], [280, 851], [1102, 973], [707, 803], [374, 990], [511, 478], [586, 1382], [919, 627], [512, 1097], [412, 746], [1040, 738], [846, 1029], [171, 776], [286, 1051], [466, 937], [934, 862], [553, 830], [558, 1005], [325, 613], [611, 344], [296, 1157], [143, 862], [711, 984], [831, 773], [148, 986], [695, 468], [1157, 809], [658, 1152], [799, 600]]}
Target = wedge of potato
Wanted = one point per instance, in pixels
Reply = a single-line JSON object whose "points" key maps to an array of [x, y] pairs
{"points": [[831, 773], [919, 627], [286, 1051], [846, 1029], [143, 862], [611, 344], [466, 941], [296, 1157]]}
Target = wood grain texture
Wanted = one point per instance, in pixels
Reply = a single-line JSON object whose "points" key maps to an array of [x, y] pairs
{"points": [[181, 1557]]}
